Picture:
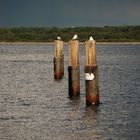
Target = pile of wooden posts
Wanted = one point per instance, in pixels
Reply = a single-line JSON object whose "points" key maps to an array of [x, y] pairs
{"points": [[91, 69]]}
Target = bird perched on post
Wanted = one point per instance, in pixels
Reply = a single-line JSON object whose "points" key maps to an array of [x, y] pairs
{"points": [[89, 76], [59, 38], [75, 37], [91, 38]]}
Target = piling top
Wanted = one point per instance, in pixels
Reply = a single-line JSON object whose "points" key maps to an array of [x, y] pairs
{"points": [[74, 42], [58, 42], [90, 42]]}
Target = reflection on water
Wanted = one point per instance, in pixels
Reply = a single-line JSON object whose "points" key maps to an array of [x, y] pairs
{"points": [[35, 106]]}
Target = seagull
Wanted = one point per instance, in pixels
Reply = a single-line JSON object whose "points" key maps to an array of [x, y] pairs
{"points": [[91, 38], [75, 37], [59, 38], [89, 76]]}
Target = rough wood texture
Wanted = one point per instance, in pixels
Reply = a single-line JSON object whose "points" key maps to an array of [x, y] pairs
{"points": [[58, 67], [90, 53], [91, 74], [92, 86], [58, 60], [73, 81], [73, 69], [58, 52], [73, 53]]}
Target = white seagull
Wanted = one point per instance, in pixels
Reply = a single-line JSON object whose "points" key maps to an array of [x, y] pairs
{"points": [[89, 76], [59, 38], [75, 37], [91, 38]]}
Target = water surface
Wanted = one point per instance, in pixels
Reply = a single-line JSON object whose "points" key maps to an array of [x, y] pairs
{"points": [[33, 106]]}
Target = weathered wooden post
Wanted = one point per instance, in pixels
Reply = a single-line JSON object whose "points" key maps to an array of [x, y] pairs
{"points": [[58, 60], [91, 74], [73, 69]]}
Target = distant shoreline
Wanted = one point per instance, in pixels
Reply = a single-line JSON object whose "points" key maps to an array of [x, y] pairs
{"points": [[67, 43]]}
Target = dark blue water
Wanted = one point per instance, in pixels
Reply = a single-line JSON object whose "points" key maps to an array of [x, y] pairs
{"points": [[33, 106]]}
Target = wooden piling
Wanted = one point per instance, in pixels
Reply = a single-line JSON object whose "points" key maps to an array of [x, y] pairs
{"points": [[90, 53], [91, 74], [73, 69], [58, 60]]}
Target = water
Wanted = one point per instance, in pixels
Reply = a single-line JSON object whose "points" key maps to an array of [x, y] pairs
{"points": [[33, 106]]}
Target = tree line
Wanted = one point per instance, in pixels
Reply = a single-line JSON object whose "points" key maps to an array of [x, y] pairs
{"points": [[47, 34]]}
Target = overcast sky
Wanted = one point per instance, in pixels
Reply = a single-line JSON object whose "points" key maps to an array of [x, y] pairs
{"points": [[68, 13]]}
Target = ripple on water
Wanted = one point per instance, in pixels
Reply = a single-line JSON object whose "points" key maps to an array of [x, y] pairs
{"points": [[35, 106]]}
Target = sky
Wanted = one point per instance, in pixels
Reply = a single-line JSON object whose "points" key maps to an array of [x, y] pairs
{"points": [[68, 13]]}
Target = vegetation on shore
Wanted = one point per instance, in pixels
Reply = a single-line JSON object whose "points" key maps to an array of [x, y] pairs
{"points": [[46, 34]]}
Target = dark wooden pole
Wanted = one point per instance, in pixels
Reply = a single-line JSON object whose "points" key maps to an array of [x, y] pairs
{"points": [[73, 69], [91, 74], [58, 60]]}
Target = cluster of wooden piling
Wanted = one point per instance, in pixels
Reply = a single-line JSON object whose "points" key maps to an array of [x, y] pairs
{"points": [[91, 69]]}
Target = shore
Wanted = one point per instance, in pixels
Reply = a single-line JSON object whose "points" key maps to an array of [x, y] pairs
{"points": [[67, 42]]}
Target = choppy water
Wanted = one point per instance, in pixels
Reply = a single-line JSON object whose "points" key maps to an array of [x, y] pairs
{"points": [[33, 106]]}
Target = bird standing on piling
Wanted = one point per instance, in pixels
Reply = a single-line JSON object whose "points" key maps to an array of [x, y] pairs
{"points": [[75, 37], [91, 38], [59, 38]]}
